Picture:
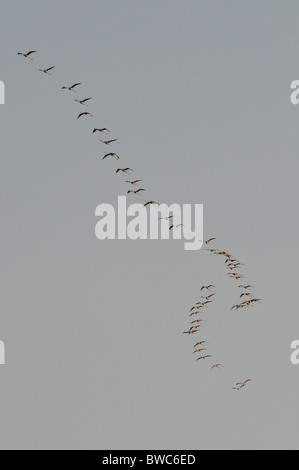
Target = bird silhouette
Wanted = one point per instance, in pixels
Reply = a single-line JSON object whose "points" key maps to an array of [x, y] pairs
{"points": [[207, 242], [71, 88], [114, 155], [124, 170], [107, 142], [134, 182], [84, 114], [136, 192], [244, 383], [83, 101], [207, 287], [203, 358], [27, 54], [216, 366], [147, 203], [46, 71], [104, 130]]}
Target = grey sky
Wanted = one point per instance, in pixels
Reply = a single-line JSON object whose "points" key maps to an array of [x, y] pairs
{"points": [[197, 93]]}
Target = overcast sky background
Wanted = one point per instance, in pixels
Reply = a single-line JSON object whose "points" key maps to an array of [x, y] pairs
{"points": [[198, 94]]}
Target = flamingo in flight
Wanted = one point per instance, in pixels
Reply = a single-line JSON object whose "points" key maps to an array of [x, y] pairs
{"points": [[199, 350], [208, 242], [83, 101], [216, 366], [209, 297], [104, 130], [27, 54], [203, 304], [203, 358], [71, 88], [84, 114], [124, 170], [107, 142], [134, 182], [244, 383], [169, 218], [151, 203], [111, 155], [46, 71], [207, 287], [197, 321], [175, 226], [136, 192]]}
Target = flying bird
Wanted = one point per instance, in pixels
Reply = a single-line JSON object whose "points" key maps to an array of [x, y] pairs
{"points": [[246, 294], [134, 182], [71, 88], [236, 307], [195, 313], [196, 307], [190, 332], [199, 350], [200, 343], [203, 358], [216, 366], [83, 101], [207, 242], [250, 302], [244, 383], [47, 70], [169, 218], [197, 327], [147, 203], [236, 276], [136, 192], [224, 253], [114, 155], [107, 142], [84, 114], [209, 297], [104, 130], [235, 264], [27, 54], [207, 287], [124, 170], [215, 252]]}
